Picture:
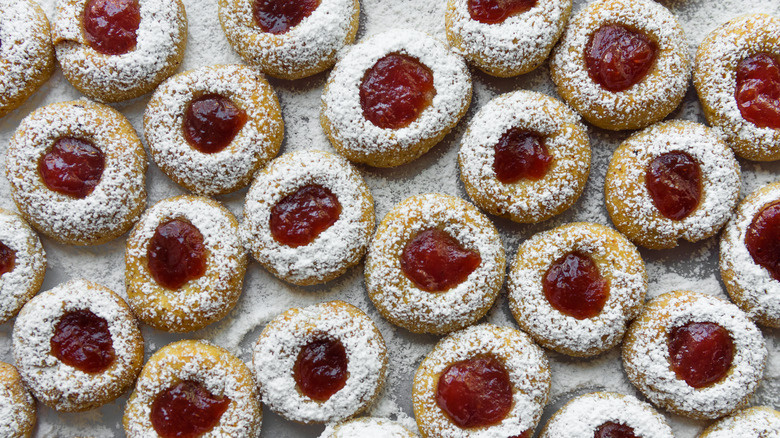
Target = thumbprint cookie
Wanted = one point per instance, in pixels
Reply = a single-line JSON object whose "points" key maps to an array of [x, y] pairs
{"points": [[755, 422], [22, 264], [18, 412], [367, 427]]}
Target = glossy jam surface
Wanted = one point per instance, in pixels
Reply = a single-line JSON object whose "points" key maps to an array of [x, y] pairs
{"points": [[395, 91], [614, 430], [301, 216], [436, 262], [673, 180], [110, 26], [758, 90], [496, 11], [475, 392], [521, 154], [72, 167], [211, 122], [763, 239], [321, 368], [82, 340], [618, 58], [279, 16], [186, 410], [700, 353], [574, 286], [176, 254], [7, 259]]}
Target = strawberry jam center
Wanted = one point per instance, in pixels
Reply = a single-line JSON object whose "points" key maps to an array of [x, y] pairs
{"points": [[176, 254], [618, 58], [475, 392], [614, 430], [186, 410], [7, 259], [279, 16], [82, 340], [301, 216], [211, 122], [321, 369], [395, 91], [111, 25], [763, 239], [520, 154], [496, 11], [574, 286], [673, 180], [758, 90], [701, 353], [72, 167], [435, 262]]}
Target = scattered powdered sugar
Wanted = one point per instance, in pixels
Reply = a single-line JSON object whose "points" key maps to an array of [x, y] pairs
{"points": [[17, 406], [758, 422], [367, 427], [21, 283]]}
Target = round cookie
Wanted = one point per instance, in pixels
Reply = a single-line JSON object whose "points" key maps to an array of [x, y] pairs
{"points": [[434, 299], [91, 138], [755, 422], [359, 111], [17, 406], [632, 104], [26, 52], [502, 42], [696, 184], [525, 157], [367, 427], [718, 83], [184, 384], [22, 264]]}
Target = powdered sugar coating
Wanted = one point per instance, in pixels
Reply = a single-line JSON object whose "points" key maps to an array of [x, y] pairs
{"points": [[17, 405], [565, 138], [63, 387], [232, 168], [646, 357], [367, 427], [629, 203], [335, 249], [161, 37], [755, 422], [646, 102], [524, 361], [24, 281], [283, 338], [515, 46], [360, 140]]}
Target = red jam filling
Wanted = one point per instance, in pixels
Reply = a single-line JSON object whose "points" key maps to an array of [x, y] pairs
{"points": [[211, 122], [701, 353], [186, 410], [176, 254], [82, 340], [758, 90], [7, 259], [521, 154], [674, 182], [763, 239], [321, 369], [110, 26], [72, 167], [436, 262], [614, 430], [496, 11], [475, 392], [574, 286], [395, 91], [618, 58], [301, 216], [279, 16]]}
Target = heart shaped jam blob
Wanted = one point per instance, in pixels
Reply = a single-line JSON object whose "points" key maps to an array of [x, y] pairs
{"points": [[211, 122], [673, 180], [82, 340], [279, 16], [496, 11], [763, 239], [574, 286], [700, 352], [395, 91], [72, 167], [521, 154], [475, 392], [436, 262], [614, 430], [176, 254], [618, 57], [321, 368], [111, 26], [303, 215], [7, 259], [758, 90], [187, 410]]}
